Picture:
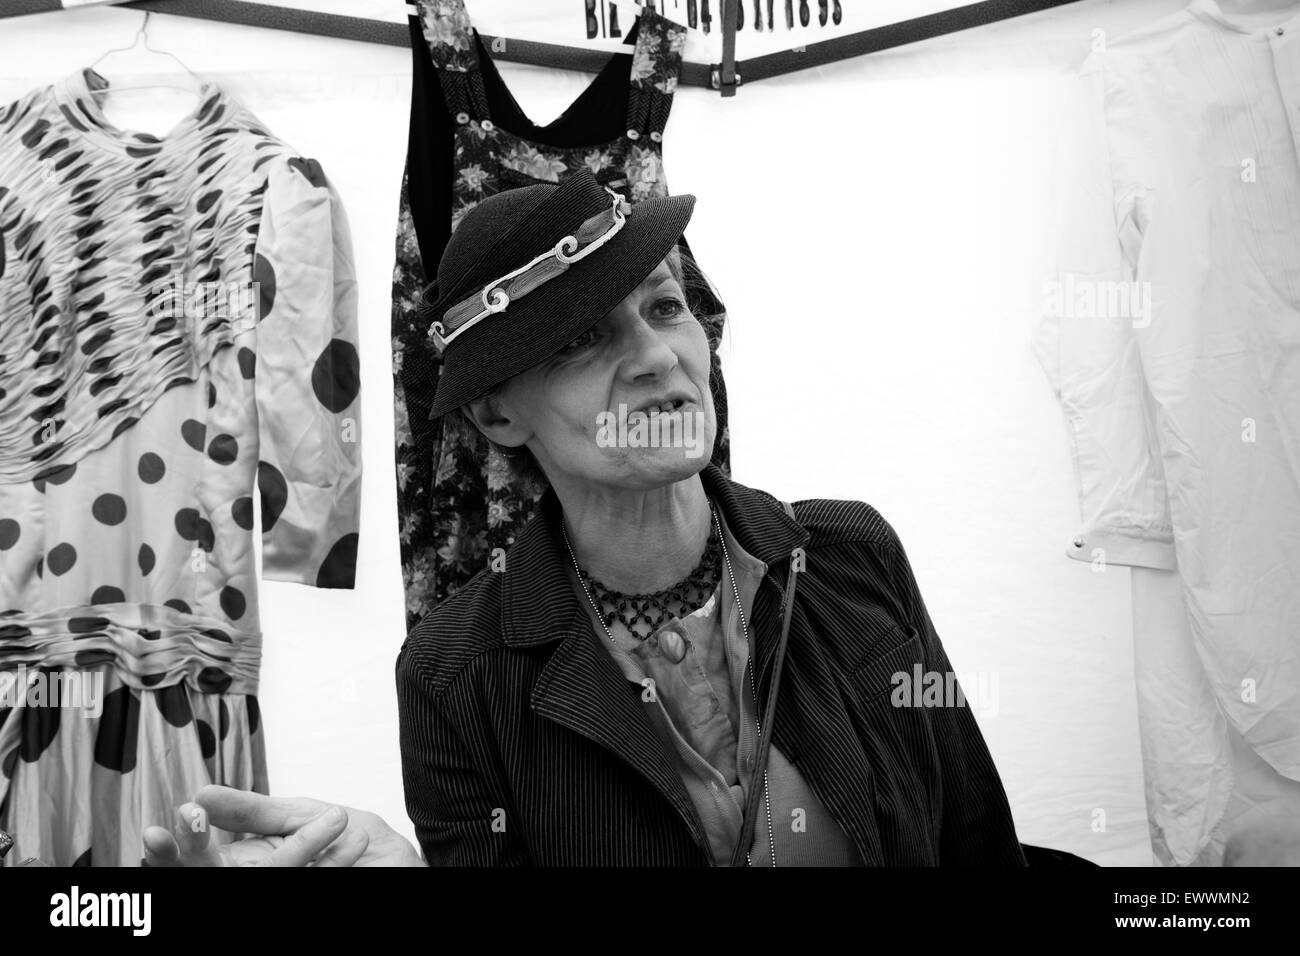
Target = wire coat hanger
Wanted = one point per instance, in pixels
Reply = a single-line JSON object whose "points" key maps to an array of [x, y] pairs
{"points": [[142, 40]]}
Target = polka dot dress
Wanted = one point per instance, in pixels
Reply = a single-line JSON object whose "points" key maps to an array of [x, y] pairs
{"points": [[177, 333]]}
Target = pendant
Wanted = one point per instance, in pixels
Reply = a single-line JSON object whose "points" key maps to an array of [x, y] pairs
{"points": [[671, 642]]}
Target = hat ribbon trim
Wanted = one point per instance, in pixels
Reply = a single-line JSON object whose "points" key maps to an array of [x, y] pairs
{"points": [[497, 295]]}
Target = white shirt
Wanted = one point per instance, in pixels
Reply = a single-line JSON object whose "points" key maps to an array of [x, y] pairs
{"points": [[1172, 338]]}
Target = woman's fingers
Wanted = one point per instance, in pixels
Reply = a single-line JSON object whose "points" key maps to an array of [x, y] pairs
{"points": [[242, 811], [302, 846], [346, 850], [160, 848], [193, 830], [290, 832]]}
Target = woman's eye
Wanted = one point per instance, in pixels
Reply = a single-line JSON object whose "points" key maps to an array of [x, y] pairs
{"points": [[670, 307], [585, 339], [667, 308]]}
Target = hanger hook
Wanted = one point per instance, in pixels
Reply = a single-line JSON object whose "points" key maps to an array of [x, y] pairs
{"points": [[143, 32]]}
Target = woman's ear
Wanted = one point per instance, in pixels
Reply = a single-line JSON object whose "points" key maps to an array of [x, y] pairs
{"points": [[493, 418]]}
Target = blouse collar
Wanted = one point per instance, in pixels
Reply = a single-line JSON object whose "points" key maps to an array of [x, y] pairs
{"points": [[1256, 24], [76, 95]]}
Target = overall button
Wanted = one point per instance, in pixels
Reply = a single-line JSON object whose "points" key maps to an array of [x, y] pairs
{"points": [[488, 125], [657, 136], [462, 117], [633, 134]]}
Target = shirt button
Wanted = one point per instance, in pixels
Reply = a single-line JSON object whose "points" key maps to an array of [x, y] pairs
{"points": [[633, 134], [488, 125], [1078, 542], [1281, 31], [462, 117], [657, 136]]}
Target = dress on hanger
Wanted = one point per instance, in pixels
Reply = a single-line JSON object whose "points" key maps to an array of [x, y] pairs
{"points": [[457, 500], [177, 320]]}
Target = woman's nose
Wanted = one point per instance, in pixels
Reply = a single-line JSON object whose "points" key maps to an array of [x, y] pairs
{"points": [[644, 349]]}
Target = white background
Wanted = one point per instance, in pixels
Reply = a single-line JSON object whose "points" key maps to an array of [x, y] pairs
{"points": [[877, 229]]}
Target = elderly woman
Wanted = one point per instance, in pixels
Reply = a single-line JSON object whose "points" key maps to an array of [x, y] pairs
{"points": [[667, 667]]}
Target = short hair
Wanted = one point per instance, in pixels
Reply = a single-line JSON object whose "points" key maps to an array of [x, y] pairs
{"points": [[523, 464]]}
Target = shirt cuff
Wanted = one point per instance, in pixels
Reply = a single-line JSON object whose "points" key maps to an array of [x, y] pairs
{"points": [[1120, 548]]}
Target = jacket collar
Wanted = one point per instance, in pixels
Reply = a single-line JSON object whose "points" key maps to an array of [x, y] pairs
{"points": [[539, 604]]}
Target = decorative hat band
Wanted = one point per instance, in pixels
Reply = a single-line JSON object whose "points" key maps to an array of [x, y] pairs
{"points": [[499, 293]]}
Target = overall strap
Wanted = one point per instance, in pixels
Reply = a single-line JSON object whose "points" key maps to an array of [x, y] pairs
{"points": [[656, 63], [453, 47]]}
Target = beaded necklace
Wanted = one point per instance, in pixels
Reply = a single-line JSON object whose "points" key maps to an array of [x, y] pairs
{"points": [[643, 614]]}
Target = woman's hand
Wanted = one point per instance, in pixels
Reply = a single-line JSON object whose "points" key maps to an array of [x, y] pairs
{"points": [[294, 831]]}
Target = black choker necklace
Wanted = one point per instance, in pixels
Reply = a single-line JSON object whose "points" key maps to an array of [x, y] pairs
{"points": [[643, 614]]}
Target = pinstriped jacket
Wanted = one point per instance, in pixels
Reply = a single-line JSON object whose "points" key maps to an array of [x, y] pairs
{"points": [[523, 744]]}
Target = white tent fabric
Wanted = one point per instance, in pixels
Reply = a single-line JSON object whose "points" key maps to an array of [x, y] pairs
{"points": [[876, 229]]}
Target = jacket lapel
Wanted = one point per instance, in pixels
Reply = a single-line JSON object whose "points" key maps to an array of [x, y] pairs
{"points": [[581, 687]]}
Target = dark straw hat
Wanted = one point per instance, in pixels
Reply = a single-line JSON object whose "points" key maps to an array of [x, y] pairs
{"points": [[614, 245]]}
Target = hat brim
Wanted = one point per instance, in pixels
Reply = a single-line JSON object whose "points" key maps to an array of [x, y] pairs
{"points": [[534, 327]]}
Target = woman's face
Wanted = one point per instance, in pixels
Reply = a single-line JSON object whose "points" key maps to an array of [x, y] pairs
{"points": [[585, 414]]}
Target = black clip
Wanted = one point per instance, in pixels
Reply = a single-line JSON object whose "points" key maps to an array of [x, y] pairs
{"points": [[728, 89]]}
